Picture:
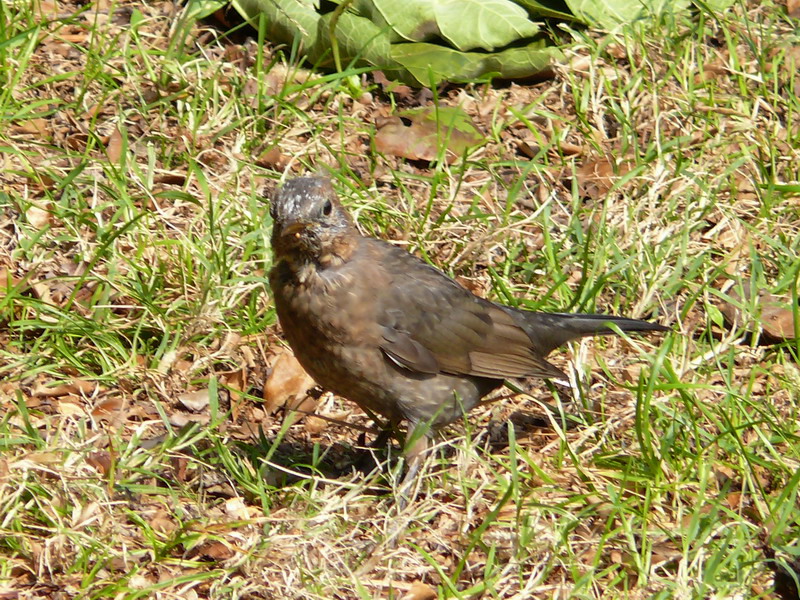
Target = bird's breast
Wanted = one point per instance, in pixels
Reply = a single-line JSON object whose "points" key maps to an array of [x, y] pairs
{"points": [[333, 305]]}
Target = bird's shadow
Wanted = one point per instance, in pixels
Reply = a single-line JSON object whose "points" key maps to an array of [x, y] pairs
{"points": [[286, 459]]}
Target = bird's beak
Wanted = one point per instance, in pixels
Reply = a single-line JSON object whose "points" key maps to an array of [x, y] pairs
{"points": [[294, 230]]}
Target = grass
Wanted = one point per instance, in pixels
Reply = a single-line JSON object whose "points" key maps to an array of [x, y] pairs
{"points": [[133, 251]]}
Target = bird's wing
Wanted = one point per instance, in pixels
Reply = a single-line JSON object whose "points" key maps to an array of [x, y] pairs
{"points": [[430, 324]]}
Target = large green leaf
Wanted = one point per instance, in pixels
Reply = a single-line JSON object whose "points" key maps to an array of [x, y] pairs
{"points": [[361, 40], [611, 13], [550, 9], [466, 24], [410, 20], [287, 20], [487, 24], [430, 63], [425, 42]]}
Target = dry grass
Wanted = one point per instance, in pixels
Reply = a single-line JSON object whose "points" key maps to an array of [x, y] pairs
{"points": [[656, 173]]}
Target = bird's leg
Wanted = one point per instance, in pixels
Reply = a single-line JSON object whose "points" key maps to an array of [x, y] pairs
{"points": [[386, 430], [415, 451], [385, 434]]}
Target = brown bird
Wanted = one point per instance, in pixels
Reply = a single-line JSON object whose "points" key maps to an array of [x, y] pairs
{"points": [[378, 326]]}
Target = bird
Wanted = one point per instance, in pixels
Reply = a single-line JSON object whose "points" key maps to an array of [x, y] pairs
{"points": [[378, 326]]}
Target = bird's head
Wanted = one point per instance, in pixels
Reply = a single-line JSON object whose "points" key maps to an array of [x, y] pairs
{"points": [[309, 224]]}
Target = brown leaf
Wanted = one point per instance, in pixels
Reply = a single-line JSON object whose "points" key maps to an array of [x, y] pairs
{"points": [[32, 127], [213, 550], [287, 384], [44, 458], [315, 425], [38, 216], [195, 401], [170, 179], [78, 37], [70, 406], [77, 141], [597, 177], [235, 383], [569, 149], [274, 159], [179, 419], [108, 408], [100, 461], [420, 591], [427, 131], [163, 522], [793, 8], [775, 315], [45, 10], [403, 92], [76, 386], [236, 509], [777, 320], [734, 499], [115, 146], [7, 281]]}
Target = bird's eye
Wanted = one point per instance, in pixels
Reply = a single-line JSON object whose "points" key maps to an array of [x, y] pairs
{"points": [[327, 208]]}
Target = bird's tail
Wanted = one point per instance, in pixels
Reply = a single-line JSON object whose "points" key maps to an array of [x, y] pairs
{"points": [[550, 330]]}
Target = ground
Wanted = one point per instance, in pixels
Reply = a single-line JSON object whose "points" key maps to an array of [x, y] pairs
{"points": [[654, 175]]}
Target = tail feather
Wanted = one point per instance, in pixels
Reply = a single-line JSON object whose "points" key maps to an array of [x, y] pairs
{"points": [[550, 330]]}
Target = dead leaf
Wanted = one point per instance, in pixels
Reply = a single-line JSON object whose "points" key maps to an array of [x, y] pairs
{"points": [[428, 130], [287, 384], [77, 141], [100, 461], [213, 550], [315, 425], [78, 37], [162, 522], [665, 551], [777, 319], [236, 509], [569, 149], [115, 146], [403, 92], [775, 315], [170, 179], [274, 159], [76, 386], [597, 177], [43, 458], [108, 408], [195, 401], [527, 144], [45, 10], [70, 406], [38, 216], [711, 71], [7, 281], [420, 591], [793, 8], [32, 127], [734, 499], [179, 419], [236, 382]]}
